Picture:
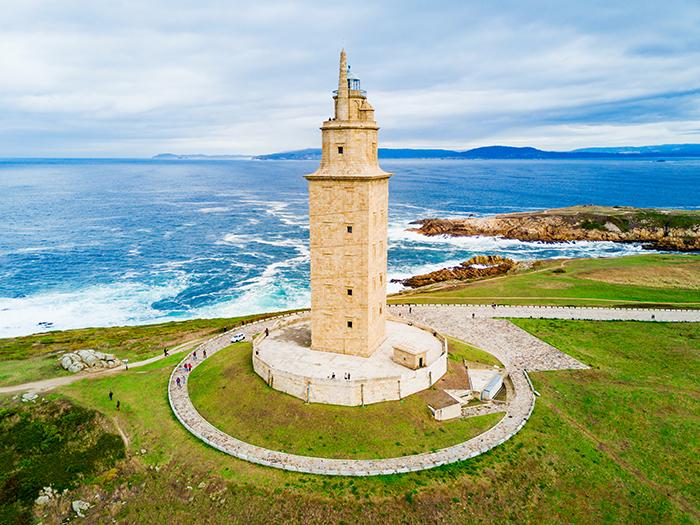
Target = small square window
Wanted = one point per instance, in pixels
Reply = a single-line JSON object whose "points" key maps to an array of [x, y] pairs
{"points": [[349, 291], [349, 324], [349, 229], [340, 150]]}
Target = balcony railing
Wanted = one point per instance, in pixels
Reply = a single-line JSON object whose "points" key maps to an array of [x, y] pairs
{"points": [[352, 92]]}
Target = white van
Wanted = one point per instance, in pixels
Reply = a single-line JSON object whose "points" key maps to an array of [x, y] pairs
{"points": [[238, 338]]}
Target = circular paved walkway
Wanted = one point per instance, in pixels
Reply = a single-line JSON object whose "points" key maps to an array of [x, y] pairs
{"points": [[516, 349]]}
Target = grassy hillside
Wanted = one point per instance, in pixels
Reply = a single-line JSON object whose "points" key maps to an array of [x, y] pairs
{"points": [[617, 443], [614, 444], [654, 280]]}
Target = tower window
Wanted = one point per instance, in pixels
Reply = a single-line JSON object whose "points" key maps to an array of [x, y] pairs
{"points": [[349, 291], [340, 150], [349, 324], [349, 229]]}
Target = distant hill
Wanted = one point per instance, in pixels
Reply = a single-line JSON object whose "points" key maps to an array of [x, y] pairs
{"points": [[172, 156], [691, 150], [508, 152], [489, 152], [301, 154]]}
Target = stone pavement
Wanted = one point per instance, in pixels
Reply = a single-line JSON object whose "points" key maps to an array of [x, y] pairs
{"points": [[288, 349], [515, 348]]}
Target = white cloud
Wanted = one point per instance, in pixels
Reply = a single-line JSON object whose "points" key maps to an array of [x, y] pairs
{"points": [[139, 78]]}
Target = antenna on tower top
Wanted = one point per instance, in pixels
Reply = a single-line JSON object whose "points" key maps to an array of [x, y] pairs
{"points": [[343, 43]]}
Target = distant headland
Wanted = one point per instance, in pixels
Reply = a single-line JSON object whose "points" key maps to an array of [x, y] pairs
{"points": [[669, 230], [659, 153]]}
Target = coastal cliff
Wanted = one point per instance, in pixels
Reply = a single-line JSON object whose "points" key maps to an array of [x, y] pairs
{"points": [[670, 230]]}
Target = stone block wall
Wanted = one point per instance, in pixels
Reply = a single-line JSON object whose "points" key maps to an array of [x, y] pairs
{"points": [[352, 392]]}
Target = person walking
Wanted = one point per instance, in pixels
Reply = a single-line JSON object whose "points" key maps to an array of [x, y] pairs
{"points": [[178, 382], [194, 354], [111, 394], [204, 354], [118, 405], [267, 332]]}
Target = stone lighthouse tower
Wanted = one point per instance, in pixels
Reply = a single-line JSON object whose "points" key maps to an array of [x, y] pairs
{"points": [[348, 201]]}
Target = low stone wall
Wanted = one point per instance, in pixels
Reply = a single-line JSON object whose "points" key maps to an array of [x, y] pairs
{"points": [[587, 313], [448, 412], [351, 392]]}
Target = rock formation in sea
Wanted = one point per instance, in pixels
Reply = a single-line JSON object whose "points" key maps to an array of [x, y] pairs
{"points": [[474, 268]]}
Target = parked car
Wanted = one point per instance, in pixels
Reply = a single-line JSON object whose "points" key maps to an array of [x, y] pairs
{"points": [[238, 338]]}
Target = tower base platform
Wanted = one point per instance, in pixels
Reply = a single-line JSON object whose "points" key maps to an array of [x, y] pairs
{"points": [[286, 362]]}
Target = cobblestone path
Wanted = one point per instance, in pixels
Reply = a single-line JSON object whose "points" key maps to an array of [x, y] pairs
{"points": [[515, 348]]}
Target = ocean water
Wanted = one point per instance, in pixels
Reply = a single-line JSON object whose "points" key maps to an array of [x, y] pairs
{"points": [[118, 242]]}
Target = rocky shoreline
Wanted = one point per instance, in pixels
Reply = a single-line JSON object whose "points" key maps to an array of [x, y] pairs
{"points": [[666, 230]]}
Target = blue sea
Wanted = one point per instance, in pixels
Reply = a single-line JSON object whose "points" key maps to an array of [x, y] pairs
{"points": [[119, 242]]}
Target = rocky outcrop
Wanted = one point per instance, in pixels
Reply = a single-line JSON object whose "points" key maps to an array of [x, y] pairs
{"points": [[79, 507], [671, 230], [29, 396], [479, 266], [88, 360]]}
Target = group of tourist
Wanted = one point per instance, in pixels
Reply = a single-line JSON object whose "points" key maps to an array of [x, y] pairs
{"points": [[111, 398], [188, 366], [345, 376]]}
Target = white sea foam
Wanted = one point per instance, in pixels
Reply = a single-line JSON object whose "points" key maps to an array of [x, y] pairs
{"points": [[280, 211], [118, 304], [53, 248], [246, 239], [220, 209]]}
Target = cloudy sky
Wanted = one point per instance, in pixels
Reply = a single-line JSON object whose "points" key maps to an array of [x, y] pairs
{"points": [[110, 78]]}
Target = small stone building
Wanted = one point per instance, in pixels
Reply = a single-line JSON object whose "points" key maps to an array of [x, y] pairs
{"points": [[492, 388], [410, 356]]}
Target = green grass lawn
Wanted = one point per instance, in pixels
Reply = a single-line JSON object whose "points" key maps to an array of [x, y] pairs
{"points": [[459, 351], [37, 368], [232, 397], [641, 398], [614, 444], [653, 280]]}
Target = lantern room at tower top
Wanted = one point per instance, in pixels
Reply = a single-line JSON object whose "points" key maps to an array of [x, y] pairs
{"points": [[353, 83]]}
